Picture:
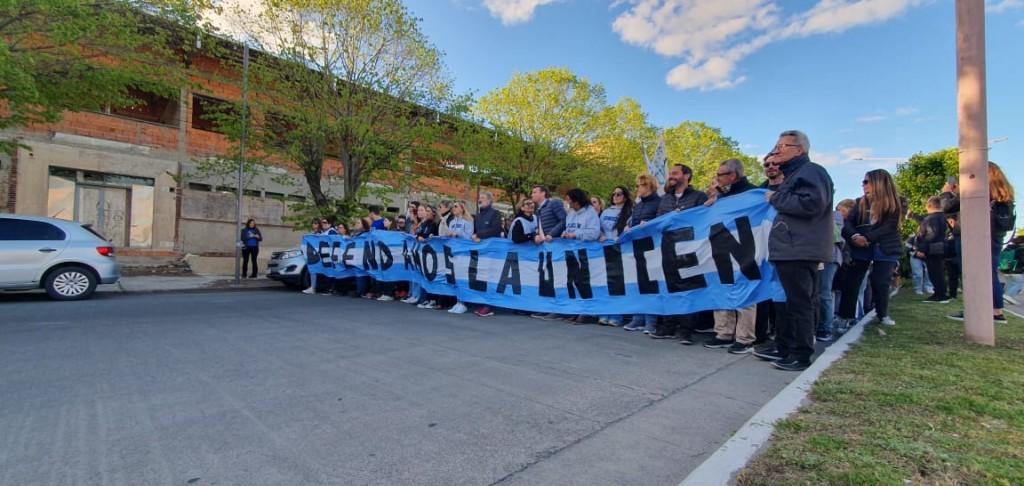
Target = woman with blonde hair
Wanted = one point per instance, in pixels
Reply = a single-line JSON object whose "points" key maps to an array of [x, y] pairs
{"points": [[645, 210], [872, 229], [1002, 220]]}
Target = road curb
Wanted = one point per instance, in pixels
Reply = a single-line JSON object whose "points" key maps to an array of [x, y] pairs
{"points": [[723, 466]]}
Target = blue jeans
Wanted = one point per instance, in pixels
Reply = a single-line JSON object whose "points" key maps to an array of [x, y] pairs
{"points": [[613, 318], [997, 286], [826, 303], [919, 273]]}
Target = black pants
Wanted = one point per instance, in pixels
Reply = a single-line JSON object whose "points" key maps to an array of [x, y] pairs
{"points": [[768, 316], [247, 253], [678, 325], [880, 282], [794, 335], [937, 274]]}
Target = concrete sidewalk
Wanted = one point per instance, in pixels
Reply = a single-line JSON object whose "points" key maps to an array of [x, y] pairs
{"points": [[188, 283]]}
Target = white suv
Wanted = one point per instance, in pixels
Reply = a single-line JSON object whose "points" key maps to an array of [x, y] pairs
{"points": [[66, 258]]}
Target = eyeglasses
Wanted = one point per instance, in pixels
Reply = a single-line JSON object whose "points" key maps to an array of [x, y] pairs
{"points": [[766, 164], [864, 182], [721, 174], [781, 146], [324, 222], [617, 194]]}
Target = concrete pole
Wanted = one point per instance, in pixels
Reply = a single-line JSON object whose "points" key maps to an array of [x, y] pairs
{"points": [[241, 165], [974, 199]]}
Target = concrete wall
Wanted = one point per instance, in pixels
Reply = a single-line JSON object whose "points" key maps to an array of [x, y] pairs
{"points": [[34, 170]]}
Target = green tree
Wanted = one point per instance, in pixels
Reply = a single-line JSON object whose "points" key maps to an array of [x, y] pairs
{"points": [[351, 80], [553, 112], [67, 55], [616, 155], [921, 177], [703, 147]]}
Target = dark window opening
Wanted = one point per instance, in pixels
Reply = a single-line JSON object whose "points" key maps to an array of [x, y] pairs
{"points": [[252, 193], [211, 114], [151, 108], [195, 186]]}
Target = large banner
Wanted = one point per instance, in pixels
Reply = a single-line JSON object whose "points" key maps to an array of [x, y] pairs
{"points": [[700, 259]]}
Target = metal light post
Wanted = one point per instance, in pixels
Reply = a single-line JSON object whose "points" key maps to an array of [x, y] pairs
{"points": [[241, 165]]}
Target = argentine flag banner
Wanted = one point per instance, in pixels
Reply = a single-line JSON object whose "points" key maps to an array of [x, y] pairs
{"points": [[703, 258]]}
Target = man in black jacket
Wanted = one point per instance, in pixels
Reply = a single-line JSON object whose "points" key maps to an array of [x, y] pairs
{"points": [[488, 224], [799, 245], [678, 197], [930, 245]]}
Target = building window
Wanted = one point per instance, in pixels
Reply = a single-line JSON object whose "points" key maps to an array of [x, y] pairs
{"points": [[210, 114], [151, 108], [195, 186]]}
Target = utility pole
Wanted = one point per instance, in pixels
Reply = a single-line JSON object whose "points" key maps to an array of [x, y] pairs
{"points": [[241, 165], [974, 194]]}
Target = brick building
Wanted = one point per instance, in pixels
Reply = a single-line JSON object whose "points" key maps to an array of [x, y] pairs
{"points": [[131, 173]]}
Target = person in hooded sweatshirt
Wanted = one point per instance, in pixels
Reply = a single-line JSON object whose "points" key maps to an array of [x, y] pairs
{"points": [[581, 224], [458, 226]]}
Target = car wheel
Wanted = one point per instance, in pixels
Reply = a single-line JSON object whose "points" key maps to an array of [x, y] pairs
{"points": [[71, 283], [305, 279]]}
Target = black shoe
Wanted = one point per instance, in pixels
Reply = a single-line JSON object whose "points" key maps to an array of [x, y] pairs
{"points": [[791, 364], [686, 339], [709, 330], [958, 316], [662, 335], [823, 336], [769, 354], [999, 318], [740, 348], [717, 343], [935, 299]]}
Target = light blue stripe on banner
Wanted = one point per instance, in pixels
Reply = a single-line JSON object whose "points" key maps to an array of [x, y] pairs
{"points": [[704, 258]]}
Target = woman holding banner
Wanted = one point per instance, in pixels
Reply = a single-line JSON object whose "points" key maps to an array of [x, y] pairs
{"points": [[645, 210], [458, 226], [613, 223]]}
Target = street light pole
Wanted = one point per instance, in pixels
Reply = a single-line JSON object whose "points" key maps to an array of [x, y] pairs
{"points": [[241, 165], [979, 326]]}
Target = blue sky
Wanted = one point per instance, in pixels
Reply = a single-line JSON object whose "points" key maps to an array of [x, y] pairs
{"points": [[864, 79]]}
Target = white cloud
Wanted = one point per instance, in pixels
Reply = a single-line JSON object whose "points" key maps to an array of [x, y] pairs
{"points": [[870, 118], [1000, 6], [853, 155], [514, 11], [711, 38], [905, 111]]}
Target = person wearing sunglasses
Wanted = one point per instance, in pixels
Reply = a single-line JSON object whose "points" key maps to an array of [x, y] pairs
{"points": [[772, 173], [613, 222], [799, 244]]}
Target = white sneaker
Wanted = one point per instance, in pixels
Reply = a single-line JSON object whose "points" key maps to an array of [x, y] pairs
{"points": [[427, 305], [385, 298], [887, 321], [310, 290], [458, 308], [410, 300]]}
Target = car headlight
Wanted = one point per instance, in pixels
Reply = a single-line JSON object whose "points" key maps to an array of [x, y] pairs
{"points": [[291, 254]]}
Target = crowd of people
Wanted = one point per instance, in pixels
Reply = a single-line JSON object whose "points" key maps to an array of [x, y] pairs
{"points": [[834, 262]]}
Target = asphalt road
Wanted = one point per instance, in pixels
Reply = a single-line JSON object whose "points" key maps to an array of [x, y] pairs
{"points": [[277, 387]]}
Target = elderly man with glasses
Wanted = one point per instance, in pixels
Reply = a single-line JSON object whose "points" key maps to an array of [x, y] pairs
{"points": [[799, 245]]}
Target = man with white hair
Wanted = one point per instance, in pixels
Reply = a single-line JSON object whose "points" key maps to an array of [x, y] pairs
{"points": [[799, 244]]}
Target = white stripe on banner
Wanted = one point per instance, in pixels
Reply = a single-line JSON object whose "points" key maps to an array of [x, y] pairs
{"points": [[699, 259]]}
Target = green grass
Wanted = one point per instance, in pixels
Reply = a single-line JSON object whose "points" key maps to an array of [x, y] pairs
{"points": [[912, 404]]}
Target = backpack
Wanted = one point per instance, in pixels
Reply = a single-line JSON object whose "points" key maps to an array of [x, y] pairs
{"points": [[1004, 217]]}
